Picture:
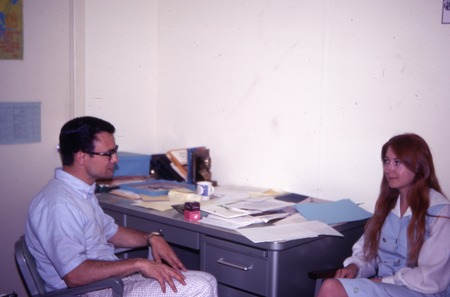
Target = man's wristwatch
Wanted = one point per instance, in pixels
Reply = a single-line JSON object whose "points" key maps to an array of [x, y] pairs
{"points": [[154, 233]]}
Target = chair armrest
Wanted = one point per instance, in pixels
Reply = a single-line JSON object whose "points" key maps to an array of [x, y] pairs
{"points": [[115, 283], [119, 250], [322, 274]]}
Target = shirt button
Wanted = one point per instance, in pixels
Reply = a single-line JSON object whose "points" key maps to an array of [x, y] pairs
{"points": [[384, 239], [355, 289]]}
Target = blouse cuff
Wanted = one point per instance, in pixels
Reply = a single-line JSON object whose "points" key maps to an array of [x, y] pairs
{"points": [[388, 280]]}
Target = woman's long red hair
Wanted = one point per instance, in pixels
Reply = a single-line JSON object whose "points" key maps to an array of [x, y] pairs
{"points": [[415, 154]]}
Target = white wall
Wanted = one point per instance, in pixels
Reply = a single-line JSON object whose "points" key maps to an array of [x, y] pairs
{"points": [[301, 95], [293, 95], [121, 76], [43, 75]]}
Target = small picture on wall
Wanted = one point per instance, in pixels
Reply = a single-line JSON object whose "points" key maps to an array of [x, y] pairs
{"points": [[446, 12], [11, 29]]}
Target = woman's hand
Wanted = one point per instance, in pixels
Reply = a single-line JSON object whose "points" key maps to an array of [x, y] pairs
{"points": [[376, 279], [347, 272]]}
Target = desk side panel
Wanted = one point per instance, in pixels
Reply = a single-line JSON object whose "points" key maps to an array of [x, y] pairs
{"points": [[290, 267]]}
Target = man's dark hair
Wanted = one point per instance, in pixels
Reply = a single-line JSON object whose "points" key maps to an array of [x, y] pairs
{"points": [[79, 134]]}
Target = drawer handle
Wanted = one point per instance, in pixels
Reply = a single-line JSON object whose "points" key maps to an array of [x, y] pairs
{"points": [[222, 261]]}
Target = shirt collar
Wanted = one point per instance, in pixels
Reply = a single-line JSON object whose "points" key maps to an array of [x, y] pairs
{"points": [[76, 183], [436, 198], [396, 209]]}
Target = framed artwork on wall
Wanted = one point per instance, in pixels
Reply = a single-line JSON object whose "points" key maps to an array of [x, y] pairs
{"points": [[11, 29]]}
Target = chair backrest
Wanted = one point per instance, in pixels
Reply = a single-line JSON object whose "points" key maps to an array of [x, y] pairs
{"points": [[27, 266]]}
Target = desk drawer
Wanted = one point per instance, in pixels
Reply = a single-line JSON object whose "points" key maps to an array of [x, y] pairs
{"points": [[237, 266], [172, 234]]}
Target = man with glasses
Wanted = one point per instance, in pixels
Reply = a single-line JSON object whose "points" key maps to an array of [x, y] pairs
{"points": [[73, 240]]}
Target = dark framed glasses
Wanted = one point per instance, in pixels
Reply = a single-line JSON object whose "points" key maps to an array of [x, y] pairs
{"points": [[108, 154]]}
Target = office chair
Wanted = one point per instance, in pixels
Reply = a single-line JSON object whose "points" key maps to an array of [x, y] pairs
{"points": [[35, 283]]}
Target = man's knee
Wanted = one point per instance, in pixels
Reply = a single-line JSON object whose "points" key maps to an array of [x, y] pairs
{"points": [[202, 284]]}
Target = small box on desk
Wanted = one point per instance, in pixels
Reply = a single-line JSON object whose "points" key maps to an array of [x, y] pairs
{"points": [[132, 164]]}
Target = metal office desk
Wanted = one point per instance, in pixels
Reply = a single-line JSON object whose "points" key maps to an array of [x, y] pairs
{"points": [[242, 268]]}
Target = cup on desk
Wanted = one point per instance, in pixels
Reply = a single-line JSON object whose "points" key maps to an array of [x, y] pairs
{"points": [[205, 189]]}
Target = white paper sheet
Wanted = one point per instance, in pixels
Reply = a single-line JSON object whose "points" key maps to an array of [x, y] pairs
{"points": [[285, 232], [242, 221], [259, 204], [222, 211]]}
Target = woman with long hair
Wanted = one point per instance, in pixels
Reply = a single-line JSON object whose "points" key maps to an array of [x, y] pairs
{"points": [[405, 249]]}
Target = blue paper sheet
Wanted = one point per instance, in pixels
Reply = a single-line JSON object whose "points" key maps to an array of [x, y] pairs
{"points": [[340, 211]]}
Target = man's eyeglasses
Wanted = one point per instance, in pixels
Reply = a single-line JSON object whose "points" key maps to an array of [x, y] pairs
{"points": [[108, 154]]}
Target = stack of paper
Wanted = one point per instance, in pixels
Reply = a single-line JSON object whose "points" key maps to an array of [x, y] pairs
{"points": [[224, 211], [241, 221], [259, 204], [245, 212]]}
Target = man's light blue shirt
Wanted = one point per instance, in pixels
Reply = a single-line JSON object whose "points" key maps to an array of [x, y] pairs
{"points": [[65, 227]]}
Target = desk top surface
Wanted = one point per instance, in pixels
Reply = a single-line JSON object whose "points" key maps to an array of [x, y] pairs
{"points": [[174, 218]]}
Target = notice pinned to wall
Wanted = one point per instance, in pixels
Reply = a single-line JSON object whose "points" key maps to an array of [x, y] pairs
{"points": [[11, 29], [20, 122]]}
